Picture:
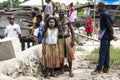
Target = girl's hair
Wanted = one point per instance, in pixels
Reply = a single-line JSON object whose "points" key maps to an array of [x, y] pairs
{"points": [[71, 4], [47, 24]]}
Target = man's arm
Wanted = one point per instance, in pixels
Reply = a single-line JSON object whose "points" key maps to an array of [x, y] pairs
{"points": [[72, 33], [6, 32], [109, 23], [112, 33]]}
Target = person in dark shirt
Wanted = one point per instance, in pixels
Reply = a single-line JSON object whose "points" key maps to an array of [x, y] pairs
{"points": [[104, 51]]}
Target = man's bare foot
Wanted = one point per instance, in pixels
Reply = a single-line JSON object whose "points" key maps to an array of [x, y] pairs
{"points": [[71, 74], [47, 77], [53, 75]]}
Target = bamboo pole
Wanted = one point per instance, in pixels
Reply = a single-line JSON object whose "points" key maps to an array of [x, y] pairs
{"points": [[94, 31], [42, 3]]}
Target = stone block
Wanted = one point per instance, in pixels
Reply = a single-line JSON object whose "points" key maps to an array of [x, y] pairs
{"points": [[9, 47]]}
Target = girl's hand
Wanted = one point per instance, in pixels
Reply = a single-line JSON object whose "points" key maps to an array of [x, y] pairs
{"points": [[43, 49]]}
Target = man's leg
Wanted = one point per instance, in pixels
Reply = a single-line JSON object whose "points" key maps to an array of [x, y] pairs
{"points": [[70, 68], [62, 67], [107, 59], [102, 56]]}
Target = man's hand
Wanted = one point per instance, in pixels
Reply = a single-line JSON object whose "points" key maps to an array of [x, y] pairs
{"points": [[72, 43]]}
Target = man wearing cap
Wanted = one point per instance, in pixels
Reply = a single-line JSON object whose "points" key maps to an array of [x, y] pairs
{"points": [[13, 29]]}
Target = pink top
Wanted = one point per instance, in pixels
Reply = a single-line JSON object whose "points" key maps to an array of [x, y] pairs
{"points": [[71, 17], [72, 9]]}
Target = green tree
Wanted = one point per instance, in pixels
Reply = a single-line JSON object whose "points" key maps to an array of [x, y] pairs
{"points": [[6, 4], [16, 3]]}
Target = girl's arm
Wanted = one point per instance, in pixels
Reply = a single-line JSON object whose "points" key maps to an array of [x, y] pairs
{"points": [[43, 41]]}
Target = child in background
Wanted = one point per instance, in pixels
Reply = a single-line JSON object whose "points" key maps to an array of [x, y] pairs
{"points": [[50, 49], [71, 15], [37, 30], [89, 27]]}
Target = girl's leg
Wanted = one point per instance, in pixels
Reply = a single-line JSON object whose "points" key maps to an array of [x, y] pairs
{"points": [[87, 33], [52, 73], [47, 73], [90, 34]]}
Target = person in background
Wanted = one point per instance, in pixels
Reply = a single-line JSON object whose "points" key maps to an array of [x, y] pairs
{"points": [[50, 48], [32, 22], [65, 41], [71, 13], [39, 27], [48, 9], [30, 37], [104, 51], [13, 29], [88, 26]]}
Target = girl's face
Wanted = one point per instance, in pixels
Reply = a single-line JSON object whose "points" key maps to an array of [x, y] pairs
{"points": [[52, 23]]}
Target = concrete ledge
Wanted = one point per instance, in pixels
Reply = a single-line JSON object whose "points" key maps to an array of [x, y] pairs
{"points": [[9, 48]]}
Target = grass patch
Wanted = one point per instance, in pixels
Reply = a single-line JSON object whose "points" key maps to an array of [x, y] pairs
{"points": [[114, 57]]}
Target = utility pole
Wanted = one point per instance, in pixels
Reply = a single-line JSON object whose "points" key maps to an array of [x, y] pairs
{"points": [[42, 3], [94, 9], [11, 4]]}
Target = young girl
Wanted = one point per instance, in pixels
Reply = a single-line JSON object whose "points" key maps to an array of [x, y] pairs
{"points": [[50, 50], [71, 13], [89, 27]]}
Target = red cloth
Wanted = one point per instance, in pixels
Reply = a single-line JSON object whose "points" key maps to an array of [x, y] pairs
{"points": [[89, 27], [72, 53]]}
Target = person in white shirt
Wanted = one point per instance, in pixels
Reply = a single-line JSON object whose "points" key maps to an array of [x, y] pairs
{"points": [[13, 29], [49, 9]]}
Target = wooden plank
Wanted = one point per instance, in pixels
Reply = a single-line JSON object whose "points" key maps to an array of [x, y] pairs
{"points": [[87, 37]]}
